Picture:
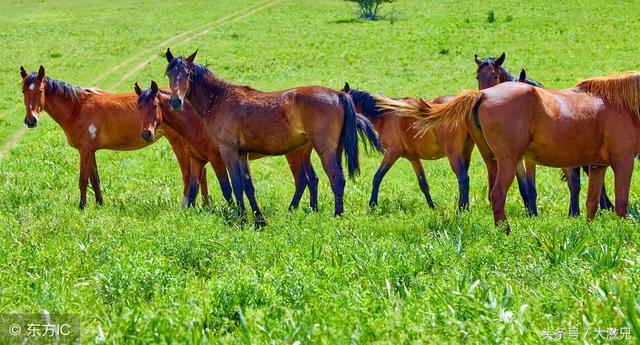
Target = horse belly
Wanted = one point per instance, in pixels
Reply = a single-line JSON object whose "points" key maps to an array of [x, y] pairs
{"points": [[277, 142], [568, 150]]}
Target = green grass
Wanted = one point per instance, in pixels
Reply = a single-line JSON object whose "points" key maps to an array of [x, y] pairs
{"points": [[144, 271]]}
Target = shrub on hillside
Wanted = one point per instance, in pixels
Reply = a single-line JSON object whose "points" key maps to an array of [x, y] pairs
{"points": [[370, 9]]}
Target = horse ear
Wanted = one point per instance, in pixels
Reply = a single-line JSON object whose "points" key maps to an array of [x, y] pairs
{"points": [[23, 72], [478, 60], [168, 55], [424, 103], [154, 87], [137, 89], [41, 73], [192, 57], [500, 60], [523, 76], [346, 87]]}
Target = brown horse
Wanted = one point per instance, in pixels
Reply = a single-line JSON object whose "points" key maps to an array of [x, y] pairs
{"points": [[399, 139], [596, 123], [154, 105], [491, 72], [242, 120], [92, 120]]}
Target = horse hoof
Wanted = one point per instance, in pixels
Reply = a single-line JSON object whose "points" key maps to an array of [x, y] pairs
{"points": [[82, 205], [260, 222]]}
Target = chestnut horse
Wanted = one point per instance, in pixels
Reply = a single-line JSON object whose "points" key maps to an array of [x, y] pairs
{"points": [[92, 120], [491, 72], [399, 139], [595, 124], [154, 105], [241, 119]]}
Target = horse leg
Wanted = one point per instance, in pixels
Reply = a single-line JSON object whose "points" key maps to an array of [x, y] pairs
{"points": [[85, 169], [498, 196], [622, 175], [461, 168], [422, 180], [95, 179], [390, 157], [573, 181], [333, 168], [605, 202], [204, 186], [196, 168], [251, 192], [312, 179], [299, 176], [223, 178], [232, 162], [521, 176], [596, 179], [532, 193]]}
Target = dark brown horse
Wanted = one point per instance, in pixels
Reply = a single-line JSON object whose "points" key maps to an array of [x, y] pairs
{"points": [[154, 105], [92, 120], [491, 72], [595, 124], [241, 120], [399, 139]]}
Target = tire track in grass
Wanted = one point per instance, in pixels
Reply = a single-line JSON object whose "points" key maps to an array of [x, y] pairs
{"points": [[228, 19], [218, 24]]}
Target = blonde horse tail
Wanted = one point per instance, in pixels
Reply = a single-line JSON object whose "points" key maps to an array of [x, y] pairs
{"points": [[453, 113]]}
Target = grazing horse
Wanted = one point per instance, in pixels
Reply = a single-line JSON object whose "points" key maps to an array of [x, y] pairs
{"points": [[241, 119], [399, 139], [595, 124], [154, 105], [93, 119], [491, 72]]}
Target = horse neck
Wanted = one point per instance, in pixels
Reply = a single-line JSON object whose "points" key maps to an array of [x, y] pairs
{"points": [[187, 124], [205, 96], [60, 108]]}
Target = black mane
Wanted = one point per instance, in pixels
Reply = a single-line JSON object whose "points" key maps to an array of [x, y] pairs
{"points": [[146, 95], [198, 72], [53, 86]]}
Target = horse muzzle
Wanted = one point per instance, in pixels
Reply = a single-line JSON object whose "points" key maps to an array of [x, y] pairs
{"points": [[31, 121], [147, 135], [176, 103]]}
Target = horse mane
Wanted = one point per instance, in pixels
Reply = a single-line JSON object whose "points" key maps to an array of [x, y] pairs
{"points": [[199, 74], [622, 89], [59, 87], [368, 104]]}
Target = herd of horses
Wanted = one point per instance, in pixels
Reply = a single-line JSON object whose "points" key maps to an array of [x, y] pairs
{"points": [[514, 122]]}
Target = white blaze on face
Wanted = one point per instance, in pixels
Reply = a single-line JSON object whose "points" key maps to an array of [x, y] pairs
{"points": [[92, 131], [32, 86]]}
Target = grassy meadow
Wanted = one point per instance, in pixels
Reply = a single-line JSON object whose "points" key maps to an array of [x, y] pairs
{"points": [[141, 270]]}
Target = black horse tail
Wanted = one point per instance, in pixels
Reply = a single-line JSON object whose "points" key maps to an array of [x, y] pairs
{"points": [[368, 133], [350, 135]]}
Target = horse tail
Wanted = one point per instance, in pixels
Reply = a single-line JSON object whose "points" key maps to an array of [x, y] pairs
{"points": [[368, 133], [452, 113], [349, 135]]}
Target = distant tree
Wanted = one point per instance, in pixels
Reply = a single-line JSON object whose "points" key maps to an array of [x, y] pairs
{"points": [[369, 9]]}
